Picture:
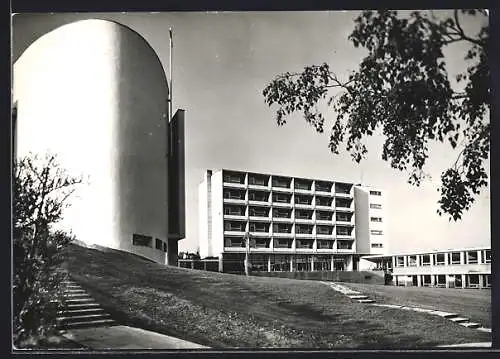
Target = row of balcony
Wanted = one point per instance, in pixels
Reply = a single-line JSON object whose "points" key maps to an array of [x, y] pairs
{"points": [[266, 182], [286, 201], [288, 231], [287, 244]]}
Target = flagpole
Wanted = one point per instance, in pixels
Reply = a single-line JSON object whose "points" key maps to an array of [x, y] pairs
{"points": [[170, 108]]}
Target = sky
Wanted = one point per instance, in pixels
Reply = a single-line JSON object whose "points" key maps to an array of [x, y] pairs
{"points": [[221, 63]]}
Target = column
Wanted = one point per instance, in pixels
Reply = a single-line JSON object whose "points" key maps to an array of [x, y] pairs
{"points": [[446, 261], [418, 260], [419, 280], [405, 261], [269, 263], [332, 263], [291, 263], [312, 263], [447, 277], [433, 278], [481, 280], [221, 264], [393, 262], [463, 280], [462, 257], [479, 254]]}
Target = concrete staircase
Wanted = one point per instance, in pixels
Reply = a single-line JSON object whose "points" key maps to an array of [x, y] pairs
{"points": [[81, 310]]}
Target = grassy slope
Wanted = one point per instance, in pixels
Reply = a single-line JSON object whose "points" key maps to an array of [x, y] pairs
{"points": [[471, 303], [223, 310]]}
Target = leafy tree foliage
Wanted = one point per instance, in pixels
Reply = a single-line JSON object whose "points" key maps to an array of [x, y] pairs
{"points": [[41, 190], [402, 88]]}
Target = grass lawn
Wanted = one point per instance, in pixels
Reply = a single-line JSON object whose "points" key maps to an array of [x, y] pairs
{"points": [[474, 304], [231, 311]]}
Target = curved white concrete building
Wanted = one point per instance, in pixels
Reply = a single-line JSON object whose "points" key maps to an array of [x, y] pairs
{"points": [[95, 93]]}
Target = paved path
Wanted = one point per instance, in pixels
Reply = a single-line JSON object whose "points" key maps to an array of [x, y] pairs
{"points": [[124, 337]]}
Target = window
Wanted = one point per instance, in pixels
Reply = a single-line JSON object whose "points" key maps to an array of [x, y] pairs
{"points": [[376, 232], [487, 256], [282, 228], [158, 244], [233, 242], [258, 181], [344, 217], [344, 231], [262, 243], [375, 193], [304, 229], [454, 258], [304, 243], [400, 261], [281, 198], [344, 245], [302, 185], [257, 212], [232, 178], [426, 260], [487, 280], [323, 187], [342, 188], [439, 259], [165, 247], [234, 211], [324, 216], [324, 230], [440, 280], [281, 182], [340, 202], [321, 201], [234, 195], [279, 213], [302, 200], [473, 280], [426, 280], [376, 219], [141, 240], [471, 257], [303, 215], [412, 261], [377, 245], [325, 244], [375, 206], [234, 226], [257, 196], [282, 243], [258, 227]]}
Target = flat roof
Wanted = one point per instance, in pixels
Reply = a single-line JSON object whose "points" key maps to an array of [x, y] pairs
{"points": [[432, 251], [350, 183]]}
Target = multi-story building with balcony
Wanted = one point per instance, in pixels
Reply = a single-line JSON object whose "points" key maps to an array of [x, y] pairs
{"points": [[294, 224], [457, 268]]}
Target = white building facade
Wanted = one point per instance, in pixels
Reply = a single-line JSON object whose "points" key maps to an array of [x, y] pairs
{"points": [[94, 93], [295, 224], [457, 268]]}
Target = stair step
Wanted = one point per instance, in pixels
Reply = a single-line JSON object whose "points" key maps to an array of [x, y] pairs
{"points": [[82, 305], [366, 301], [95, 323], [79, 300], [76, 295], [358, 297], [487, 330], [444, 314], [471, 325], [83, 318], [459, 320], [81, 311]]}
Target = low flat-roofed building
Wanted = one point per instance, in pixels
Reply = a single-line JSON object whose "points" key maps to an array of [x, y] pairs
{"points": [[451, 268]]}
